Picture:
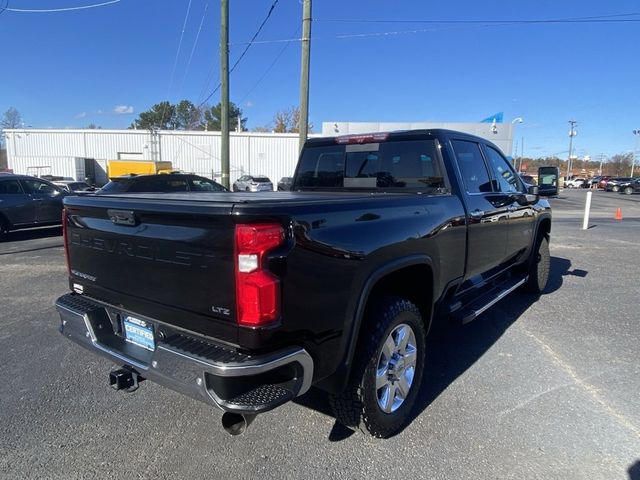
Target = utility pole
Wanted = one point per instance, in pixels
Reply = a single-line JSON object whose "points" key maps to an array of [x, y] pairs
{"points": [[521, 153], [601, 160], [224, 92], [572, 133], [303, 128], [636, 133]]}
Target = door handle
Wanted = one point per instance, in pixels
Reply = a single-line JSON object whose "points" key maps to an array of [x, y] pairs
{"points": [[477, 214]]}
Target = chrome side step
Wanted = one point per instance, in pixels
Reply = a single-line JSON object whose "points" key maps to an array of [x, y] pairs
{"points": [[477, 307]]}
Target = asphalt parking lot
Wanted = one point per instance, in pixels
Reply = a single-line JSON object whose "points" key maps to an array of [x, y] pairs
{"points": [[535, 388]]}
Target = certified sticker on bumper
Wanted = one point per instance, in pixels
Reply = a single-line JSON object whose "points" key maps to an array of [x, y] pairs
{"points": [[139, 333]]}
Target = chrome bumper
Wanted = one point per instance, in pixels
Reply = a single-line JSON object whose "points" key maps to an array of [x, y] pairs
{"points": [[216, 375]]}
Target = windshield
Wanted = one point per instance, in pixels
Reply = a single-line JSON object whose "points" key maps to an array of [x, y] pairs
{"points": [[412, 164], [205, 185]]}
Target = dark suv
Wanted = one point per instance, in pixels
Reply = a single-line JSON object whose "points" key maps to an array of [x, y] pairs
{"points": [[161, 183], [631, 187], [28, 202]]}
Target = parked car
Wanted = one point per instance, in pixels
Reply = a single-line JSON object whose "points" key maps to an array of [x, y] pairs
{"points": [[160, 183], [602, 183], [576, 183], [631, 187], [74, 186], [249, 183], [28, 202], [246, 301], [613, 185], [528, 179], [285, 184]]}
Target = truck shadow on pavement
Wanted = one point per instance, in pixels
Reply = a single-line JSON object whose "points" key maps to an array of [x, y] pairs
{"points": [[22, 241], [33, 234], [452, 349]]}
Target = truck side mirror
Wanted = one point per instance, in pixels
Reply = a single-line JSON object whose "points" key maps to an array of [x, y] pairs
{"points": [[548, 181]]}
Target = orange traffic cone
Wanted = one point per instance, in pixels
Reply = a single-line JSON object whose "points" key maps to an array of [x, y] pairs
{"points": [[619, 214]]}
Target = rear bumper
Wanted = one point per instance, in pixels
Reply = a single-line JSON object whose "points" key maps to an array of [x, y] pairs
{"points": [[216, 375]]}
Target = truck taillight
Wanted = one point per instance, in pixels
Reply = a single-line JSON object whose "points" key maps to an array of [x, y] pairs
{"points": [[257, 290], [65, 240]]}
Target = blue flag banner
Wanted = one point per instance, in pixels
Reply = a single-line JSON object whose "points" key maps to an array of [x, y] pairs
{"points": [[497, 118]]}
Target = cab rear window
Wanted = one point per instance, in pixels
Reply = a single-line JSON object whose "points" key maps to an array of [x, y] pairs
{"points": [[401, 165]]}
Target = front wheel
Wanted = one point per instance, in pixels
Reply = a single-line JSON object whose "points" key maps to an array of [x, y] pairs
{"points": [[387, 371], [628, 190], [3, 229], [615, 188], [539, 267]]}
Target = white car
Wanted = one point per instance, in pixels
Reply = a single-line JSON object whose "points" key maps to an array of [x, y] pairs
{"points": [[249, 183], [575, 183]]}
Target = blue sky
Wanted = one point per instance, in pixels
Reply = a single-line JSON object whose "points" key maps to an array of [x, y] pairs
{"points": [[107, 64]]}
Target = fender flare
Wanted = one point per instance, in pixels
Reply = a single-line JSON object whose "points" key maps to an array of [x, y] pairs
{"points": [[369, 284], [542, 218]]}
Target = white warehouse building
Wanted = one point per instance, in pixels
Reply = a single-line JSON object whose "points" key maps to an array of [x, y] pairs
{"points": [[71, 153], [81, 153]]}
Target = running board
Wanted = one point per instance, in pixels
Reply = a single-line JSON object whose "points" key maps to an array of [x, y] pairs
{"points": [[478, 306]]}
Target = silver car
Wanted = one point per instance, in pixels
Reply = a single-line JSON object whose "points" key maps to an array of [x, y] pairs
{"points": [[249, 183]]}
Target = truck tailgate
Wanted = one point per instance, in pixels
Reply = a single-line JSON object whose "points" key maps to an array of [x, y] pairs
{"points": [[138, 252]]}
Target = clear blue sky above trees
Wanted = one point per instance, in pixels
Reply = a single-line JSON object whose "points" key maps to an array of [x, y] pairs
{"points": [[108, 64]]}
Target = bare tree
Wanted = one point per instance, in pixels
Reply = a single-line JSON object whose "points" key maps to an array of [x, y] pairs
{"points": [[282, 121], [262, 129], [11, 119], [288, 121], [620, 164]]}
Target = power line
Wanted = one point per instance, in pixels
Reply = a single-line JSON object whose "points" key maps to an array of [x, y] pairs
{"points": [[175, 61], [598, 18], [4, 9], [248, 45], [273, 63], [193, 49], [56, 10], [453, 25]]}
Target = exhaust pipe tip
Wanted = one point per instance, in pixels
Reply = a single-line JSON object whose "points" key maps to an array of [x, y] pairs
{"points": [[236, 423]]}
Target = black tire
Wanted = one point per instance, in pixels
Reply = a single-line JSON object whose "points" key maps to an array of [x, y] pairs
{"points": [[539, 267], [628, 190], [615, 188], [357, 407], [4, 229]]}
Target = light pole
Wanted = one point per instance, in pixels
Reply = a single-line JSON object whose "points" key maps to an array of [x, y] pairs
{"points": [[515, 121], [572, 133], [636, 133]]}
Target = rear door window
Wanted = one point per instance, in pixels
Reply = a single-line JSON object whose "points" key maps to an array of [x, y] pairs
{"points": [[472, 167], [10, 187], [204, 185], [39, 187]]}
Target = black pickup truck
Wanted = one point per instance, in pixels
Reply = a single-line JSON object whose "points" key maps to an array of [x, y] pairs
{"points": [[245, 301]]}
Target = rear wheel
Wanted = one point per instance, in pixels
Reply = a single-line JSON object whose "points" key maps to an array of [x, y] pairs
{"points": [[615, 188], [4, 229], [387, 371], [539, 267], [628, 190]]}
